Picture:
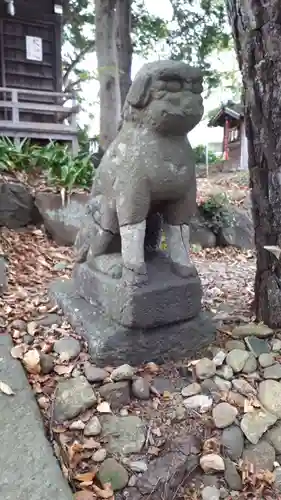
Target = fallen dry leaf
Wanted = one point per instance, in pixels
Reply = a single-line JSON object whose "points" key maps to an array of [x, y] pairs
{"points": [[18, 351], [31, 328], [104, 407], [6, 389], [84, 495], [91, 444], [63, 369], [106, 493], [86, 476], [73, 449], [31, 361]]}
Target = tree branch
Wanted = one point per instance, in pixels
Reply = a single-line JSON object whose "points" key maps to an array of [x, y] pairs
{"points": [[76, 61]]}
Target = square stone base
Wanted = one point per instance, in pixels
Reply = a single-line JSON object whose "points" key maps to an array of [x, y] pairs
{"points": [[165, 299], [113, 344]]}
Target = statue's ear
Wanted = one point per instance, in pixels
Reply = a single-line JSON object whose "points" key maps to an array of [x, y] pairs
{"points": [[139, 92]]}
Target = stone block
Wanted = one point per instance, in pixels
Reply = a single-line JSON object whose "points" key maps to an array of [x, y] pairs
{"points": [[164, 300], [113, 344]]}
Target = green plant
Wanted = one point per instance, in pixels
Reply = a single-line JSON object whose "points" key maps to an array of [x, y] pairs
{"points": [[63, 169], [18, 157], [200, 155], [216, 212]]}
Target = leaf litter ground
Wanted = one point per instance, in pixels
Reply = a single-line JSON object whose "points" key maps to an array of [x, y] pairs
{"points": [[227, 277]]}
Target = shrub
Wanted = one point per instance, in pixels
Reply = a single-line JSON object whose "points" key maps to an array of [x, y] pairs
{"points": [[62, 168], [200, 155], [215, 211]]}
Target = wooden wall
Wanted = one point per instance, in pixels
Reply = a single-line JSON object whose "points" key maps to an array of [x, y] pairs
{"points": [[32, 18]]}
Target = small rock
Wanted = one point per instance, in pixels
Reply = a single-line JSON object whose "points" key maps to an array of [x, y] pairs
{"points": [[261, 456], [73, 396], [162, 384], [235, 344], [257, 346], [277, 479], [222, 384], [94, 374], [68, 347], [223, 493], [205, 368], [266, 360], [28, 339], [138, 466], [208, 386], [255, 423], [258, 330], [236, 359], [212, 462], [123, 372], [199, 401], [276, 345], [232, 476], [116, 394], [273, 372], [125, 435], [46, 363], [232, 441], [93, 427], [19, 324], [49, 320], [114, 473], [224, 415], [77, 425], [270, 396], [225, 372], [236, 399], [210, 493], [251, 364], [99, 455], [210, 480], [219, 358], [180, 413], [273, 436], [141, 388], [191, 390], [132, 481], [243, 387]]}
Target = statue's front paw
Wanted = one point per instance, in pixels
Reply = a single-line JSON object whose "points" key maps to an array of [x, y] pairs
{"points": [[185, 271], [134, 275]]}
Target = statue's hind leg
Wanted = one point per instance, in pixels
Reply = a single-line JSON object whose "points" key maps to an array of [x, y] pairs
{"points": [[105, 226], [177, 232]]}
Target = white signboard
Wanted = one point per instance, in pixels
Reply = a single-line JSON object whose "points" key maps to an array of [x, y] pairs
{"points": [[34, 48]]}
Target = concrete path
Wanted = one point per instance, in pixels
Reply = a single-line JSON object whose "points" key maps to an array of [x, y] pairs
{"points": [[28, 468]]}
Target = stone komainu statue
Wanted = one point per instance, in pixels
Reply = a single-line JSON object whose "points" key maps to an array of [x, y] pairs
{"points": [[147, 175]]}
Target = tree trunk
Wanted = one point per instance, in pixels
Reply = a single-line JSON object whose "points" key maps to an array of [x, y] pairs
{"points": [[256, 28], [124, 50], [105, 50]]}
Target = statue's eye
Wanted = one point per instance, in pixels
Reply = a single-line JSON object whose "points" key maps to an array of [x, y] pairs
{"points": [[197, 87], [160, 85], [174, 85]]}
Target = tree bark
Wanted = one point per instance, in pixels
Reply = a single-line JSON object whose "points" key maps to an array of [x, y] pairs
{"points": [[124, 49], [256, 28], [106, 59]]}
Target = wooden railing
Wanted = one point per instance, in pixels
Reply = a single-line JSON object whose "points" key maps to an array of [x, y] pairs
{"points": [[23, 100]]}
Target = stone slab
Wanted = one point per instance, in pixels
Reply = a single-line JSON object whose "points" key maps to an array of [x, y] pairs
{"points": [[113, 344], [28, 468], [165, 299]]}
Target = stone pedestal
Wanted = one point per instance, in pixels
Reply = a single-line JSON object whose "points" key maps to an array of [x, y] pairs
{"points": [[158, 321], [164, 300]]}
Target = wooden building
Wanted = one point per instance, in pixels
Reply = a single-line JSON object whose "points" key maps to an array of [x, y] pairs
{"points": [[234, 145], [31, 98]]}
